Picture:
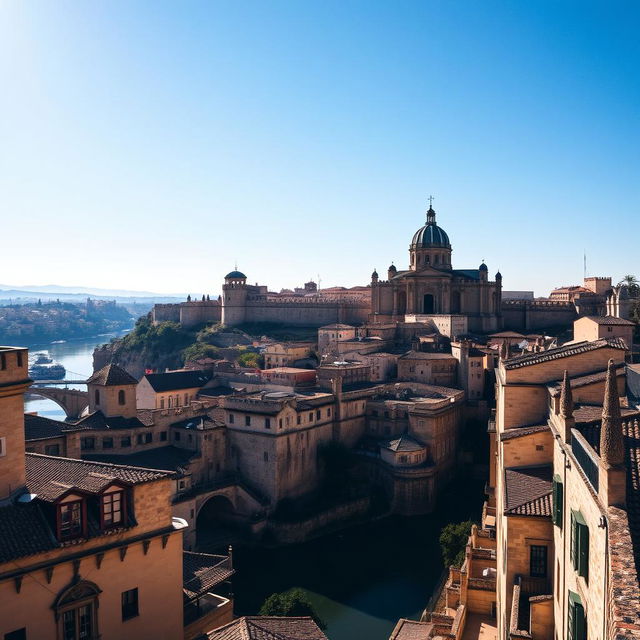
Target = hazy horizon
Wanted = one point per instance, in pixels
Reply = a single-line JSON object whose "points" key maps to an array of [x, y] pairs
{"points": [[152, 146]]}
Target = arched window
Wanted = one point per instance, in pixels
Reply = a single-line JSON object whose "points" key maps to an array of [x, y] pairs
{"points": [[76, 611], [121, 398], [97, 396]]}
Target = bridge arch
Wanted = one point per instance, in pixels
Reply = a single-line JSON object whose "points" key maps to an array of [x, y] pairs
{"points": [[72, 401]]}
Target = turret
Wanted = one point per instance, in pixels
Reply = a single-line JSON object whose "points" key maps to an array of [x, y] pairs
{"points": [[391, 272], [234, 298], [113, 392], [483, 271], [374, 276]]}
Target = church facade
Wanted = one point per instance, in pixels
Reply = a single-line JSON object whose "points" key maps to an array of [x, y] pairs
{"points": [[432, 287]]}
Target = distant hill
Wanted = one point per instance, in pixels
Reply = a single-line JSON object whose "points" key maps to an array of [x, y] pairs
{"points": [[24, 294]]}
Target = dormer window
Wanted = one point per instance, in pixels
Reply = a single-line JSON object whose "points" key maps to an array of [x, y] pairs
{"points": [[71, 520], [112, 512]]}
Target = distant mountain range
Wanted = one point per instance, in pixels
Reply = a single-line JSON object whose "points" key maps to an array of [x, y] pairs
{"points": [[74, 294]]}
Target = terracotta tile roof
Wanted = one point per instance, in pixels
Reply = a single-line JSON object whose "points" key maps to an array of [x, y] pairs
{"points": [[585, 380], [510, 434], [268, 628], [403, 443], [411, 630], [112, 375], [24, 531], [587, 413], [41, 428], [562, 352], [423, 355], [611, 320], [51, 476], [175, 380], [168, 458], [527, 490], [203, 571], [97, 421]]}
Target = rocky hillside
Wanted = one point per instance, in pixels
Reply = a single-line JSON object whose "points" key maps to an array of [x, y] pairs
{"points": [[168, 346]]}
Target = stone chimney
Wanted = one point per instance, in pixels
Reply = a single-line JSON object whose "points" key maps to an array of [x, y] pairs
{"points": [[612, 471], [566, 407]]}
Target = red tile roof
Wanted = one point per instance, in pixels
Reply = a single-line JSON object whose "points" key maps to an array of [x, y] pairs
{"points": [[527, 490], [268, 628]]}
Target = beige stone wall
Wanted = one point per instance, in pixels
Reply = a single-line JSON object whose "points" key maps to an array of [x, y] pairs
{"points": [[108, 400], [147, 398], [157, 575], [533, 449]]}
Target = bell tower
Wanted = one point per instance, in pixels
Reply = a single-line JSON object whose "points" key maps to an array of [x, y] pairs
{"points": [[14, 381]]}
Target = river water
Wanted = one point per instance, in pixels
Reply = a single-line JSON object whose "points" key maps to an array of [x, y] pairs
{"points": [[360, 580]]}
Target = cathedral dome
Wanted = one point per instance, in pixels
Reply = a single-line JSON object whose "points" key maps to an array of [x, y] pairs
{"points": [[235, 275], [431, 235]]}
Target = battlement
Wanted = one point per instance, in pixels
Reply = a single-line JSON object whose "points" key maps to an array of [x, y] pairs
{"points": [[560, 304], [14, 365]]}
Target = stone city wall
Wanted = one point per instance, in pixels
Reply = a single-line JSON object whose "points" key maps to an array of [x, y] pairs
{"points": [[537, 314]]}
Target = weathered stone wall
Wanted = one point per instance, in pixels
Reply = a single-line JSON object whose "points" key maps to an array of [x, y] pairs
{"points": [[537, 314]]}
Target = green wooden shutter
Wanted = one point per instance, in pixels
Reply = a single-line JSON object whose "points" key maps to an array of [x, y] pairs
{"points": [[574, 542], [580, 622], [558, 496], [571, 620], [583, 551]]}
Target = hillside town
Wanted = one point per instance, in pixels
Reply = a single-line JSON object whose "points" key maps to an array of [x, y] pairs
{"points": [[121, 521]]}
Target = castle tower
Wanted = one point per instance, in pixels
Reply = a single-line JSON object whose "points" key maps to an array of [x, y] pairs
{"points": [[234, 298], [14, 381], [113, 391], [430, 246]]}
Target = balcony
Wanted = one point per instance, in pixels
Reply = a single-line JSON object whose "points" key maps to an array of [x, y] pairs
{"points": [[208, 612], [586, 457], [531, 608]]}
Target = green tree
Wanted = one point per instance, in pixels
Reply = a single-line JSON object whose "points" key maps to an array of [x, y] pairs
{"points": [[453, 539], [290, 603], [250, 359], [201, 350], [632, 285]]}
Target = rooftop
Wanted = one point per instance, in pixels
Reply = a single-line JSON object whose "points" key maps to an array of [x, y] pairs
{"points": [[403, 443], [41, 428], [97, 421], [610, 320], [170, 459], [174, 380], [411, 630], [268, 628], [423, 355], [564, 351], [111, 375], [203, 571], [527, 490]]}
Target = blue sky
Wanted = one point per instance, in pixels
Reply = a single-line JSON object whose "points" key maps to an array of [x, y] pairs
{"points": [[151, 145]]}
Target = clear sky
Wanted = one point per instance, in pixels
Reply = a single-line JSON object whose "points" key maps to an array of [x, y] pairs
{"points": [[151, 145]]}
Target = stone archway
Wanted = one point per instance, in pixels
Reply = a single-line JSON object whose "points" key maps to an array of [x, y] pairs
{"points": [[428, 303], [217, 521], [72, 401]]}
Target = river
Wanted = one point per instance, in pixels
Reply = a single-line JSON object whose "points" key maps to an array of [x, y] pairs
{"points": [[360, 580], [77, 358]]}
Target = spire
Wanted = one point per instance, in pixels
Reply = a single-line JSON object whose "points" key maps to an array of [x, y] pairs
{"points": [[611, 438], [566, 397]]}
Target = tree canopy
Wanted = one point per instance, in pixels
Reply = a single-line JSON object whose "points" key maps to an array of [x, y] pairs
{"points": [[290, 603], [453, 540]]}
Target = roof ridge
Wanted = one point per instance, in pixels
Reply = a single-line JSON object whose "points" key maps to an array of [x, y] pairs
{"points": [[103, 464]]}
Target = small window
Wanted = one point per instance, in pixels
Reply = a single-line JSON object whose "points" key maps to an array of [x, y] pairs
{"points": [[112, 508], [374, 413], [538, 561], [140, 438], [107, 443], [247, 421], [329, 412], [125, 442], [148, 437], [3, 361], [265, 455], [311, 416], [52, 449], [162, 403], [121, 397], [298, 419], [163, 436], [176, 436], [279, 423], [267, 423], [580, 544], [3, 447], [318, 414], [232, 418], [87, 444], [19, 358], [186, 399], [129, 604], [70, 520], [97, 397]]}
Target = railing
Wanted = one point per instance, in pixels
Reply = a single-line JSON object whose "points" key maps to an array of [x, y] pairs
{"points": [[585, 457], [535, 586], [482, 584]]}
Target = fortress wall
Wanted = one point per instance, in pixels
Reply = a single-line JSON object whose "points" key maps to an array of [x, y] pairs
{"points": [[303, 313], [165, 313], [537, 314], [195, 313]]}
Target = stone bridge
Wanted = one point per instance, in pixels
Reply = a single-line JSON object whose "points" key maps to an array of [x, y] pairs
{"points": [[72, 401]]}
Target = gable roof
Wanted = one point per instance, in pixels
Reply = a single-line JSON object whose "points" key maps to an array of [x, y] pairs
{"points": [[403, 443], [564, 351], [49, 477], [97, 421], [203, 571], [609, 320], [174, 380], [527, 490], [511, 434], [24, 531], [170, 459], [268, 628], [41, 428], [411, 630], [111, 375], [586, 379]]}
